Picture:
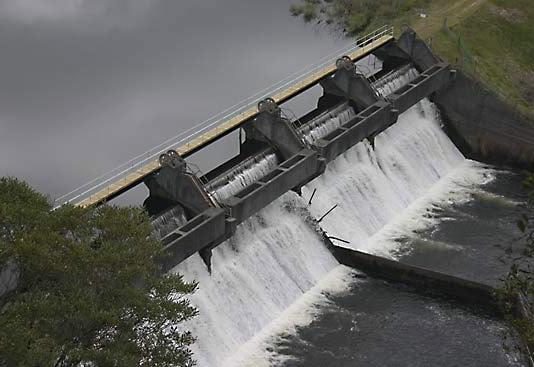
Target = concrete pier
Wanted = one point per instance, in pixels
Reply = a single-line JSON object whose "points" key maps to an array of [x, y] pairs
{"points": [[290, 174], [476, 121], [428, 82], [366, 124], [483, 126], [347, 83], [270, 127], [201, 231], [300, 163]]}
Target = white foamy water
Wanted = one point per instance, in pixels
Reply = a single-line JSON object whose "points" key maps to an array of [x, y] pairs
{"points": [[412, 165], [273, 259], [242, 177], [327, 123], [169, 221], [395, 80], [259, 351], [273, 274]]}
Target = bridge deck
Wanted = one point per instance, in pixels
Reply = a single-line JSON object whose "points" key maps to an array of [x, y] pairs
{"points": [[124, 183]]}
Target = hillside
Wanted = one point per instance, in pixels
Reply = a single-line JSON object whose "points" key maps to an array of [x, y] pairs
{"points": [[492, 40]]}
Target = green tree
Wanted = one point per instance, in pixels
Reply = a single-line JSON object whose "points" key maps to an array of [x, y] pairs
{"points": [[88, 290], [353, 17]]}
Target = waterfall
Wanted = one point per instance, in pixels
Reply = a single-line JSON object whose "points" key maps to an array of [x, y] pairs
{"points": [[371, 186], [242, 176], [276, 257], [395, 80], [326, 123], [168, 221], [272, 260]]}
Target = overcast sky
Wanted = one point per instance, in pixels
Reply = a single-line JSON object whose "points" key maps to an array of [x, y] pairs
{"points": [[87, 84]]}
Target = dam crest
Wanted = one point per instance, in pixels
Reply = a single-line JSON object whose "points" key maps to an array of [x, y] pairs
{"points": [[306, 194]]}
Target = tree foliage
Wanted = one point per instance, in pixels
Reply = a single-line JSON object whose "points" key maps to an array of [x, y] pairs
{"points": [[354, 16], [89, 291]]}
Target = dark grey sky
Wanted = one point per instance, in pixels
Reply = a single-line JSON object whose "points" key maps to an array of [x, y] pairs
{"points": [[87, 84]]}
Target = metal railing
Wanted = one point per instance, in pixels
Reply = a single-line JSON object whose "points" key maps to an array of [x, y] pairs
{"points": [[140, 162]]}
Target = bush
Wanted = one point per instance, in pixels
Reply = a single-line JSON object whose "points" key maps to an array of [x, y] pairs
{"points": [[88, 289], [355, 16]]}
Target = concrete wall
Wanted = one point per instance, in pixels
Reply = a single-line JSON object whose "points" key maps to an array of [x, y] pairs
{"points": [[483, 126], [418, 51], [477, 121], [352, 86], [288, 175], [367, 123], [276, 131], [424, 280], [196, 234], [427, 83], [379, 116], [177, 186]]}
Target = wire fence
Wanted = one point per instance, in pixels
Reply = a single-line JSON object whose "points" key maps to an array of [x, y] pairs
{"points": [[146, 162]]}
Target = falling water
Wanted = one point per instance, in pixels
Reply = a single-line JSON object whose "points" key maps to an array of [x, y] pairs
{"points": [[272, 260], [169, 221], [242, 176], [326, 123], [376, 184], [395, 80], [276, 256]]}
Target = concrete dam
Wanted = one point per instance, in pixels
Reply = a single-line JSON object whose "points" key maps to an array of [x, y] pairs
{"points": [[262, 230]]}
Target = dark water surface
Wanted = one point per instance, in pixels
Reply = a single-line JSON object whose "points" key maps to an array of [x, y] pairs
{"points": [[383, 324], [471, 238], [380, 324]]}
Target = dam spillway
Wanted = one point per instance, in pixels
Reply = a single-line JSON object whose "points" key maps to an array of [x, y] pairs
{"points": [[279, 153], [352, 109], [276, 257], [370, 150]]}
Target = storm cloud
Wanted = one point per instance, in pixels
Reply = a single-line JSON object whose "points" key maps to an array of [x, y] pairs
{"points": [[87, 84]]}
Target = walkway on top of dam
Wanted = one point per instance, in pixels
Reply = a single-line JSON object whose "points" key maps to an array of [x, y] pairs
{"points": [[136, 170]]}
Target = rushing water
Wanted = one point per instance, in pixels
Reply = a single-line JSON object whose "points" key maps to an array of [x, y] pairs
{"points": [[377, 324], [471, 235], [277, 296], [326, 123], [372, 186], [256, 275], [395, 80], [461, 227], [168, 221], [242, 176]]}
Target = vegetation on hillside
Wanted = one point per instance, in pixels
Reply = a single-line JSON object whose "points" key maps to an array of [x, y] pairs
{"points": [[520, 278], [88, 291], [492, 40], [496, 44], [355, 16]]}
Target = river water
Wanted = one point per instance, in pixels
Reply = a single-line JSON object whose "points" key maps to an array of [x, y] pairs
{"points": [[374, 323], [276, 296], [86, 85]]}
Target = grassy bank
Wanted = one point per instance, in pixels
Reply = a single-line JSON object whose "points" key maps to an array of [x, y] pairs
{"points": [[492, 40]]}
